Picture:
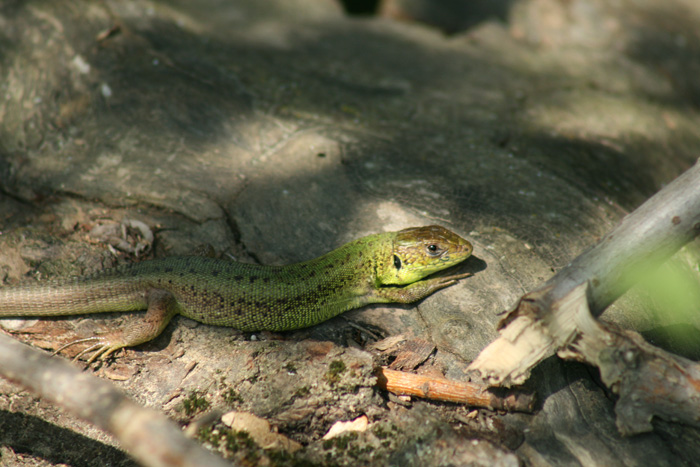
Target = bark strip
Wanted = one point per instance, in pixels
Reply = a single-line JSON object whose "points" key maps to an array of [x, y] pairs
{"points": [[461, 392]]}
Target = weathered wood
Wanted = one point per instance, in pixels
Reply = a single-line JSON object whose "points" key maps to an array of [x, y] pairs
{"points": [[556, 316]]}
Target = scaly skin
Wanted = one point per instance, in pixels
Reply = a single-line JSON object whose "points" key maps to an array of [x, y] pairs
{"points": [[381, 268]]}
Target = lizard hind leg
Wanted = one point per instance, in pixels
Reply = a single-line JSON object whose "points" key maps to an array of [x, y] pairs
{"points": [[162, 306]]}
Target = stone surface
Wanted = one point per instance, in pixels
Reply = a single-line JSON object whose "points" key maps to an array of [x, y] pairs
{"points": [[275, 133]]}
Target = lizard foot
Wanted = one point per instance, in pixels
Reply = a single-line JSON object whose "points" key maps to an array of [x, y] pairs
{"points": [[161, 307], [102, 347], [453, 279]]}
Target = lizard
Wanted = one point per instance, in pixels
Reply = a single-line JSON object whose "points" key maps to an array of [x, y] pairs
{"points": [[389, 267]]}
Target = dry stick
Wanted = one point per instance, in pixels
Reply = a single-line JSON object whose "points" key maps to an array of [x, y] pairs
{"points": [[558, 314], [147, 435], [462, 392]]}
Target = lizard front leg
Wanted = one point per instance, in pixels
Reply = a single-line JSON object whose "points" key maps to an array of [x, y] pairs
{"points": [[162, 306], [417, 290]]}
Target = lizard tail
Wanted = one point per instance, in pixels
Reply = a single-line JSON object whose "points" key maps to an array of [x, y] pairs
{"points": [[72, 297]]}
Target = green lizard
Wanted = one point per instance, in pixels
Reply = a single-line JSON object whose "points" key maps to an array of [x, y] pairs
{"points": [[381, 268]]}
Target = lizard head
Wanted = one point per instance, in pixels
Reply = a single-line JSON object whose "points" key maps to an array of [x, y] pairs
{"points": [[418, 252]]}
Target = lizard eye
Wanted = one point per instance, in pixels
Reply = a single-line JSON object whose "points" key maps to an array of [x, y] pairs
{"points": [[397, 262], [434, 250]]}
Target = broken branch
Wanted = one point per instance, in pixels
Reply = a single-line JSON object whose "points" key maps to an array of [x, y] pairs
{"points": [[559, 314], [147, 435]]}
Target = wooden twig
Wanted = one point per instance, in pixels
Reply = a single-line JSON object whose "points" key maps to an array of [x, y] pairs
{"points": [[147, 435], [550, 318], [472, 394]]}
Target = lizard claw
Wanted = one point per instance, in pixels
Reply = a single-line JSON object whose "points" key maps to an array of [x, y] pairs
{"points": [[454, 278], [102, 348], [72, 343]]}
